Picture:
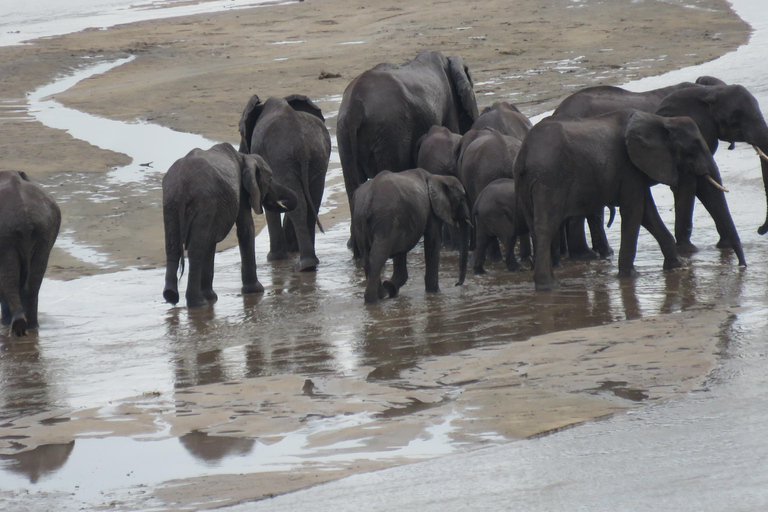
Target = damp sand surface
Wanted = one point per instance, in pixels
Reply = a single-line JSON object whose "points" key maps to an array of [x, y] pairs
{"points": [[223, 392]]}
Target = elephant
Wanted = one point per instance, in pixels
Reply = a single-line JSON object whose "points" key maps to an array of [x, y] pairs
{"points": [[438, 150], [495, 216], [391, 213], [29, 224], [205, 193], [290, 134], [573, 167], [505, 118], [722, 112], [385, 110], [680, 100]]}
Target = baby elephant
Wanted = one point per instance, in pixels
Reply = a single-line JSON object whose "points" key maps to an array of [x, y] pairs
{"points": [[495, 217], [392, 211], [204, 194], [29, 225]]}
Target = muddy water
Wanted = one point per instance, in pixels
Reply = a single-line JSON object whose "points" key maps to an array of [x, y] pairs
{"points": [[110, 336]]}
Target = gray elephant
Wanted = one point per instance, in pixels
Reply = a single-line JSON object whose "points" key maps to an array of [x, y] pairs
{"points": [[573, 167], [385, 110], [29, 224], [495, 217], [290, 134], [722, 112], [205, 193], [438, 150], [505, 118], [391, 213]]}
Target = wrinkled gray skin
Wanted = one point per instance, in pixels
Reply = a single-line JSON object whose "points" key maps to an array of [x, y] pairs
{"points": [[390, 214], [290, 134], [438, 150], [505, 118], [712, 117], [29, 224], [386, 109], [204, 194], [573, 167], [495, 218], [722, 112]]}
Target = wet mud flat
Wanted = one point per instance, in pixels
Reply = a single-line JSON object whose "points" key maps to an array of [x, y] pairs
{"points": [[222, 394]]}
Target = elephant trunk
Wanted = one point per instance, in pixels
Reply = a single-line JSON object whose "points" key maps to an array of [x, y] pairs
{"points": [[280, 199], [463, 250], [762, 149]]}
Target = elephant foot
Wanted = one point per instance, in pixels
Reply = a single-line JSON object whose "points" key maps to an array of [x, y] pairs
{"points": [[478, 270], [686, 247], [605, 253], [391, 289], [673, 263], [513, 267], [547, 286], [196, 302], [252, 288], [277, 255], [210, 295], [19, 325], [724, 244], [586, 254], [632, 273], [763, 229], [171, 295], [307, 264]]}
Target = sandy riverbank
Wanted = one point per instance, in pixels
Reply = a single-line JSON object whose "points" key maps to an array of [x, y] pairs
{"points": [[195, 74]]}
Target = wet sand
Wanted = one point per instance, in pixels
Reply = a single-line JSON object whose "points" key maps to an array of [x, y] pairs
{"points": [[195, 74]]}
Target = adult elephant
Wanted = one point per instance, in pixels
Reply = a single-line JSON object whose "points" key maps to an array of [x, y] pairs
{"points": [[204, 194], [722, 112], [573, 167], [386, 109], [29, 224], [290, 134], [392, 212], [504, 117]]}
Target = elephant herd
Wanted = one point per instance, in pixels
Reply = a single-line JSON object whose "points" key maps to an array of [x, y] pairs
{"points": [[420, 161]]}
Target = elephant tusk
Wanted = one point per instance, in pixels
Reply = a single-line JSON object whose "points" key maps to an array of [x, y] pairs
{"points": [[761, 153], [469, 222], [716, 184], [282, 205]]}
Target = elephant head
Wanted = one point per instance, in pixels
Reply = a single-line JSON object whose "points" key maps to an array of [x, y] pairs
{"points": [[255, 108], [665, 147], [448, 201], [262, 191], [724, 112], [463, 88]]}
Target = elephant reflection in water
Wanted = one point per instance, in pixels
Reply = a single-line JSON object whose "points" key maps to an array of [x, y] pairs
{"points": [[213, 449], [40, 461]]}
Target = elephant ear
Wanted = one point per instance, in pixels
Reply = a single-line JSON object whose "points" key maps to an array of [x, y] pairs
{"points": [[247, 122], [462, 80], [301, 103], [439, 198], [24, 176], [646, 137], [256, 176]]}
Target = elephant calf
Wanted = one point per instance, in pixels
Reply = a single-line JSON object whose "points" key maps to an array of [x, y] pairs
{"points": [[205, 193], [495, 217], [390, 214], [29, 224]]}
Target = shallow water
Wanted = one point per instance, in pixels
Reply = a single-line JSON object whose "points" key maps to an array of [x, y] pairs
{"points": [[111, 336]]}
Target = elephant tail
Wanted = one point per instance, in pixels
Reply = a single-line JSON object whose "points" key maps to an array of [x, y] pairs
{"points": [[305, 183], [612, 209]]}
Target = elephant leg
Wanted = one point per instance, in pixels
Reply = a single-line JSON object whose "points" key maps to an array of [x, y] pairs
{"points": [[482, 239], [38, 265], [6, 313], [375, 260], [174, 252], [307, 259], [511, 260], [494, 249], [199, 246], [543, 242], [525, 247], [247, 244], [399, 274], [577, 240], [685, 193], [277, 242], [715, 203], [599, 240], [432, 258], [653, 223], [10, 286], [206, 281], [631, 218], [291, 242]]}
